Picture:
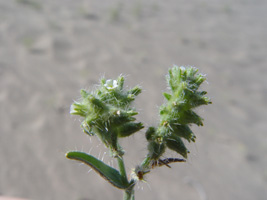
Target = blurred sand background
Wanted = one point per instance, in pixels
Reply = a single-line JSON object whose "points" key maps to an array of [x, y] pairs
{"points": [[51, 49]]}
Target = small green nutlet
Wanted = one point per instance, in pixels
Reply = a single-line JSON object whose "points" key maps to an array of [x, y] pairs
{"points": [[151, 131]]}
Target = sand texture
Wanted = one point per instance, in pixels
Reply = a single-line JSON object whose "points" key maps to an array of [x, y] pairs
{"points": [[51, 49]]}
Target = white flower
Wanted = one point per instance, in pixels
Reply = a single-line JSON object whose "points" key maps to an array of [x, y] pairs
{"points": [[182, 68], [111, 84]]}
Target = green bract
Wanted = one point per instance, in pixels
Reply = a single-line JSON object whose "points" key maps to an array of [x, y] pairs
{"points": [[107, 113]]}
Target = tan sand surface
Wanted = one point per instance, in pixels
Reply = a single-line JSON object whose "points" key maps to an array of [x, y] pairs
{"points": [[51, 49]]}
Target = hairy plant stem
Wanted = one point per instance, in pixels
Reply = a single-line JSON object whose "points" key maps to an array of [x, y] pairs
{"points": [[122, 168], [129, 192], [145, 163]]}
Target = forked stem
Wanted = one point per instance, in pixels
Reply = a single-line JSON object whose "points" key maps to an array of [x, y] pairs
{"points": [[122, 168], [129, 192]]}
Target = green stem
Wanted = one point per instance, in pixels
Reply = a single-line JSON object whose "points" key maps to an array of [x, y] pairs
{"points": [[129, 192], [122, 169], [146, 162]]}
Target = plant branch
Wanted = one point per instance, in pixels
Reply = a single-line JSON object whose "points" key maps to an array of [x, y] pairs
{"points": [[129, 193], [122, 169]]}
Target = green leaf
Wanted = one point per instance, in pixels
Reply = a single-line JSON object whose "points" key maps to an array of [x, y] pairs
{"points": [[110, 174]]}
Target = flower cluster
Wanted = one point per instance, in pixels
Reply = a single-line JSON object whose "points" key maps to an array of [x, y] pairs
{"points": [[177, 114], [108, 113]]}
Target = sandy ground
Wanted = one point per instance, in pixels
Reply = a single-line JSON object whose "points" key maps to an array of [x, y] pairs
{"points": [[50, 49]]}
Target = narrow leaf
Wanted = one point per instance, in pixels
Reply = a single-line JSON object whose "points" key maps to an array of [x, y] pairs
{"points": [[110, 174]]}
